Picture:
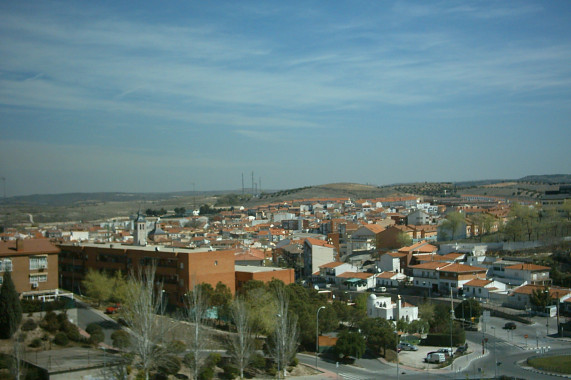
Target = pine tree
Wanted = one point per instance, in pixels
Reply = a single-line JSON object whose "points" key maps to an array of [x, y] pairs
{"points": [[10, 308]]}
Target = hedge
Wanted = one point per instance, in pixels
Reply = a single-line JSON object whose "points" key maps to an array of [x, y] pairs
{"points": [[443, 340]]}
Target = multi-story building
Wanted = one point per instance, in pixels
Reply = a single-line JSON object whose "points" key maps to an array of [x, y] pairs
{"points": [[33, 264], [176, 268]]}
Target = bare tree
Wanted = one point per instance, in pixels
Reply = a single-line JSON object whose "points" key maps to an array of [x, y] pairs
{"points": [[196, 307], [143, 314], [18, 365], [241, 344], [285, 339]]}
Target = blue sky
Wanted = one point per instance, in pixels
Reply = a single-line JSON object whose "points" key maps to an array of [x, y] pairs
{"points": [[155, 96]]}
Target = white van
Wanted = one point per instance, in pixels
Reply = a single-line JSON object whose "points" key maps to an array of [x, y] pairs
{"points": [[435, 357]]}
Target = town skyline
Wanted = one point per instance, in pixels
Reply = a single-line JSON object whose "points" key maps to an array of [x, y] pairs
{"points": [[101, 97]]}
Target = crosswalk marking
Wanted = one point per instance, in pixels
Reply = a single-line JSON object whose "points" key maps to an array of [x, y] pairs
{"points": [[350, 376]]}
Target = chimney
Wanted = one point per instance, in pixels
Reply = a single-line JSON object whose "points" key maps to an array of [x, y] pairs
{"points": [[19, 244]]}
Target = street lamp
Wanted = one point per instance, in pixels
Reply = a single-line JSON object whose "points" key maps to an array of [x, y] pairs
{"points": [[317, 335], [279, 344], [495, 354], [397, 350]]}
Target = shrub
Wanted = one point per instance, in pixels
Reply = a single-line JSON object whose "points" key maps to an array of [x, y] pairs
{"points": [[29, 325], [230, 371], [50, 322], [97, 337], [207, 373], [37, 342], [121, 339], [171, 365], [21, 337], [213, 359], [72, 332], [294, 362], [61, 339], [176, 347], [92, 327], [5, 361], [257, 361]]}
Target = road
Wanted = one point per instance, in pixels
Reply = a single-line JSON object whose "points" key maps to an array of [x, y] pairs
{"points": [[509, 347]]}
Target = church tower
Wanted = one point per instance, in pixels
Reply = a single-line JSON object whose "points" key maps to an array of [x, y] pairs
{"points": [[140, 230]]}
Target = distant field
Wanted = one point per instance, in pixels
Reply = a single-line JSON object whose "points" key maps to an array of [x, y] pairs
{"points": [[502, 184]]}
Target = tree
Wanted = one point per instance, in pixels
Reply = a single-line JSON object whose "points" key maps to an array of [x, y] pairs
{"points": [[241, 344], [453, 223], [97, 286], [119, 288], [10, 308], [284, 341], [121, 339], [540, 298], [403, 239], [379, 334], [196, 306], [467, 309], [143, 315], [262, 306], [221, 299], [350, 343]]}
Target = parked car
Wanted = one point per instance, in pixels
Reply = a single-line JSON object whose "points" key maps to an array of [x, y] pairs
{"points": [[380, 289], [407, 346], [461, 350], [435, 357], [446, 351], [112, 309], [510, 326]]}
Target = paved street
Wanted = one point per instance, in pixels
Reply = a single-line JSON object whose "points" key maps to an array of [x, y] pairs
{"points": [[509, 347]]}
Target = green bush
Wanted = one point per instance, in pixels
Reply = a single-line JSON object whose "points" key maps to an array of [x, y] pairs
{"points": [[176, 347], [207, 373], [50, 322], [230, 371], [92, 327], [171, 365], [213, 360], [35, 306], [29, 325], [121, 339], [37, 342], [72, 332], [294, 362], [257, 361], [5, 361], [443, 339], [97, 337], [61, 339]]}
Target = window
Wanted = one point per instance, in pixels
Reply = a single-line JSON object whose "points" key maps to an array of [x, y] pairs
{"points": [[38, 262], [38, 278], [6, 265]]}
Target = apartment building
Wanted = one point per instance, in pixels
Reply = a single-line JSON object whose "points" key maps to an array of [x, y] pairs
{"points": [[33, 264], [178, 269]]}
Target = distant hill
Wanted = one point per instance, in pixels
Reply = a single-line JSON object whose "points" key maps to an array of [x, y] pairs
{"points": [[95, 206]]}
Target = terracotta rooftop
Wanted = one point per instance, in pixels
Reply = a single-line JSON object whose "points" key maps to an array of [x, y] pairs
{"points": [[361, 275], [478, 283], [333, 264], [386, 274], [318, 242], [529, 267]]}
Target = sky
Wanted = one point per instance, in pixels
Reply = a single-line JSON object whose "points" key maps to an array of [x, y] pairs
{"points": [[174, 95]]}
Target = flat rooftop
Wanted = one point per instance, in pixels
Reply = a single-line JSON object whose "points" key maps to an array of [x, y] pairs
{"points": [[255, 269], [71, 359]]}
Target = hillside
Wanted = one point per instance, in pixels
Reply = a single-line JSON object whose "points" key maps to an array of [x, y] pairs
{"points": [[95, 206]]}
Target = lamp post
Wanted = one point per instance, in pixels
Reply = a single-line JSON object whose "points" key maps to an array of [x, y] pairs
{"points": [[279, 344], [495, 354], [317, 334], [397, 350]]}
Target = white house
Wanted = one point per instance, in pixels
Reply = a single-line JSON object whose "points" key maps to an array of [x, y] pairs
{"points": [[383, 307], [481, 288], [331, 271], [316, 253], [390, 262], [357, 281], [391, 279]]}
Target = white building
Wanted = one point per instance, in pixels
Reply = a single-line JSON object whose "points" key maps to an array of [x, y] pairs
{"points": [[383, 307]]}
